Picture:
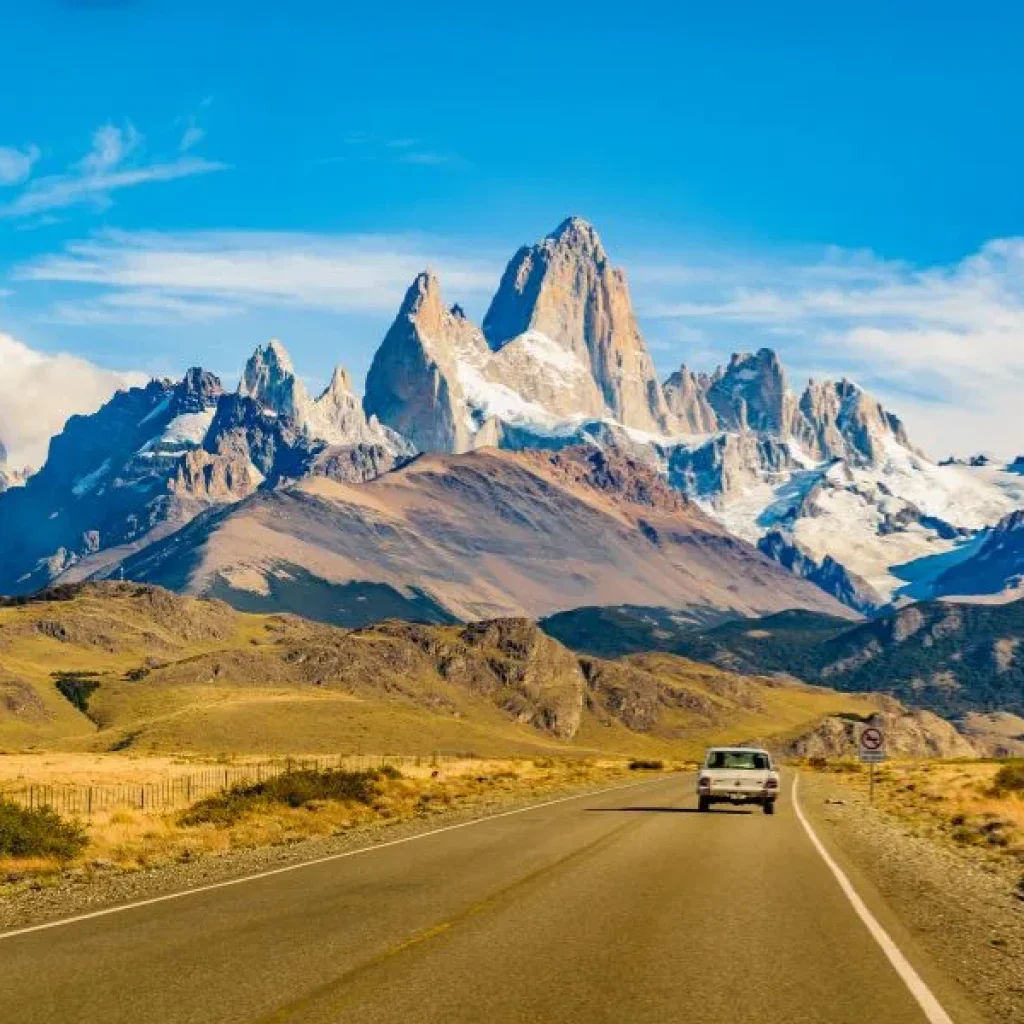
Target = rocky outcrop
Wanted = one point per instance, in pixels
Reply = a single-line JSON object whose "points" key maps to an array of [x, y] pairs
{"points": [[686, 396], [355, 464], [845, 586], [751, 394], [336, 417], [908, 734], [728, 464], [840, 420], [219, 478], [105, 481]]}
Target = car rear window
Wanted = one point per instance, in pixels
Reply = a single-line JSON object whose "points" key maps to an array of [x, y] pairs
{"points": [[748, 759]]}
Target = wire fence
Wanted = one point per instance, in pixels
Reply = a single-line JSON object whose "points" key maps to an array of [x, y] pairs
{"points": [[183, 789]]}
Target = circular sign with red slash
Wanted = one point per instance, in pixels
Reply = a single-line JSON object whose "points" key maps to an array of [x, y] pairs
{"points": [[871, 738]]}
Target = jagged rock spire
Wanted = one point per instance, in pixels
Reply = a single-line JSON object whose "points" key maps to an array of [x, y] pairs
{"points": [[565, 289]]}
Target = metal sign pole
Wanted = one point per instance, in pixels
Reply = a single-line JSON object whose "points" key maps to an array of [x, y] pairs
{"points": [[871, 785]]}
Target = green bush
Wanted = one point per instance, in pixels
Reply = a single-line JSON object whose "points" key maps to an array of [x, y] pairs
{"points": [[40, 832], [646, 766], [291, 789], [77, 687], [1009, 779]]}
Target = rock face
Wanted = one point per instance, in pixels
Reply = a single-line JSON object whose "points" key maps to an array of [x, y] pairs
{"points": [[415, 384], [566, 290], [106, 481], [686, 396], [828, 574], [560, 346], [153, 458], [751, 394], [909, 734], [829, 420]]}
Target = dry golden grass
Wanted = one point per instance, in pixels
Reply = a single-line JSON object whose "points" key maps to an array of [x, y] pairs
{"points": [[128, 840], [954, 802]]}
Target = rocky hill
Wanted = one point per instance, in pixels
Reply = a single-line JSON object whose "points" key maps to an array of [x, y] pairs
{"points": [[951, 658], [463, 537], [908, 733], [125, 666]]}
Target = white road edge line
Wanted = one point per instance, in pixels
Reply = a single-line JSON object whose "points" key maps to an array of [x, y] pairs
{"points": [[121, 908], [926, 999]]}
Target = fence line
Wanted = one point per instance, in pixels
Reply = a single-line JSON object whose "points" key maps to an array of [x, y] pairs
{"points": [[183, 790]]}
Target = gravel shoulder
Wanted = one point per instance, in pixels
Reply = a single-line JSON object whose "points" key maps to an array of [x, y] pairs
{"points": [[963, 912], [71, 895]]}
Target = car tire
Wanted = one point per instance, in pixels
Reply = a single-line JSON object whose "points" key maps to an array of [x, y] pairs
{"points": [[703, 804], [769, 807]]}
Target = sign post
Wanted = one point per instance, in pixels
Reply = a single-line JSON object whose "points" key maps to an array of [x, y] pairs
{"points": [[871, 747]]}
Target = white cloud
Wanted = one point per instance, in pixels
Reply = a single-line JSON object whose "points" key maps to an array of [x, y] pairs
{"points": [[16, 164], [224, 272], [38, 393], [192, 136], [114, 161], [365, 147]]}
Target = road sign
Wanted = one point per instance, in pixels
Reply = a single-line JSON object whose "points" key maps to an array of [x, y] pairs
{"points": [[871, 745]]}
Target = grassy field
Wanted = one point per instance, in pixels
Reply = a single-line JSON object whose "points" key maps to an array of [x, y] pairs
{"points": [[967, 804]]}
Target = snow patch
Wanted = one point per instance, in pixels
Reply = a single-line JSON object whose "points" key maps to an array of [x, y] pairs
{"points": [[84, 484]]}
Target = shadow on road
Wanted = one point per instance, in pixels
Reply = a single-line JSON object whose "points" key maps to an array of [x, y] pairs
{"points": [[669, 810]]}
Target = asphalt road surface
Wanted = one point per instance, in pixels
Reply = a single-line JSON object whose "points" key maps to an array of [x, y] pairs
{"points": [[626, 907]]}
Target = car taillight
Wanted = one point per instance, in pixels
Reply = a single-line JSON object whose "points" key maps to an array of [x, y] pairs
{"points": [[704, 783], [772, 784]]}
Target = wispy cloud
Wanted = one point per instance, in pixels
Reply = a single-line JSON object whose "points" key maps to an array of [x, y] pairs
{"points": [[116, 160], [361, 146], [210, 275], [16, 164]]}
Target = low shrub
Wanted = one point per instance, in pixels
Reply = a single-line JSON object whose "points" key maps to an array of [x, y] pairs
{"points": [[300, 788], [39, 832], [1009, 779], [640, 765], [817, 762], [77, 688]]}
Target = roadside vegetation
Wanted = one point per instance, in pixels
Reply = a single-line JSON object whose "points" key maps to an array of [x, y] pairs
{"points": [[977, 806], [291, 807], [38, 833]]}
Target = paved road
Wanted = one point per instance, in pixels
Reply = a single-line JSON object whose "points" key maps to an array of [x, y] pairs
{"points": [[626, 907]]}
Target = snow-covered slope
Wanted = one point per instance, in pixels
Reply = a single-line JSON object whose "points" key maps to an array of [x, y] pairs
{"points": [[898, 523]]}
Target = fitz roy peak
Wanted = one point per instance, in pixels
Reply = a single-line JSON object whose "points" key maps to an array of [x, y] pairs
{"points": [[559, 345], [821, 480]]}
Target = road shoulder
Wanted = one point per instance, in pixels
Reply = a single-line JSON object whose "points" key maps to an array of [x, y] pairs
{"points": [[958, 923]]}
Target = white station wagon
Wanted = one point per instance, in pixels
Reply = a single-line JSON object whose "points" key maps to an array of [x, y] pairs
{"points": [[737, 775]]}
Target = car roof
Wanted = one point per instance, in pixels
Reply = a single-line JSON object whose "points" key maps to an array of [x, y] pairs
{"points": [[745, 750]]}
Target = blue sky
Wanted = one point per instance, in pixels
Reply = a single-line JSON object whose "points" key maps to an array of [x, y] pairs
{"points": [[179, 182]]}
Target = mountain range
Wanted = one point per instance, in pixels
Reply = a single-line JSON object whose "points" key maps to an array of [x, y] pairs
{"points": [[528, 465]]}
